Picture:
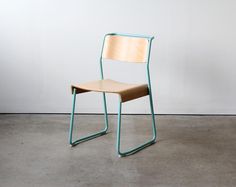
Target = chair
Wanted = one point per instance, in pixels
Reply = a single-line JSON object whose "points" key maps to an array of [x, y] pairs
{"points": [[126, 48]]}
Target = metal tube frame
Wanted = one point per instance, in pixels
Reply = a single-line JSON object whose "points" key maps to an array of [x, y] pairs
{"points": [[154, 138], [91, 136], [102, 132]]}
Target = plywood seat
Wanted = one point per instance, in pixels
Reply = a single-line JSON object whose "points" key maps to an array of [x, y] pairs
{"points": [[126, 91]]}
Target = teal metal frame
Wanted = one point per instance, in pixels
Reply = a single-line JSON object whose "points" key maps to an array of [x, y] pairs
{"points": [[91, 136], [104, 131]]}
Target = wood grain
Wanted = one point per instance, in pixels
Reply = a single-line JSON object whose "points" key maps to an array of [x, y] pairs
{"points": [[124, 48], [126, 91]]}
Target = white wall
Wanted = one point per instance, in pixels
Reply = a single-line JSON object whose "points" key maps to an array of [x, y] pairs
{"points": [[46, 45]]}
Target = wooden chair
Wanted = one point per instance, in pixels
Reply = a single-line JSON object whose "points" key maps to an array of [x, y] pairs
{"points": [[126, 48]]}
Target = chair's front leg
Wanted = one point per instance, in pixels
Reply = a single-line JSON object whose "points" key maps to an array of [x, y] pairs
{"points": [[91, 136], [105, 111], [140, 147], [118, 129]]}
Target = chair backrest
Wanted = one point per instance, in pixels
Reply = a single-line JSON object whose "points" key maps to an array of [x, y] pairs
{"points": [[127, 48]]}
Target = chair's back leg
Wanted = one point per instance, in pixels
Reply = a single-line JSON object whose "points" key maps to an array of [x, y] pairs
{"points": [[154, 131]]}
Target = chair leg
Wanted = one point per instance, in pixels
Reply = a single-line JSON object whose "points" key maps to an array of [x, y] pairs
{"points": [[91, 136], [142, 146]]}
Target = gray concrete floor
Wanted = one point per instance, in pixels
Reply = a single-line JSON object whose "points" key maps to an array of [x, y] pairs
{"points": [[191, 151]]}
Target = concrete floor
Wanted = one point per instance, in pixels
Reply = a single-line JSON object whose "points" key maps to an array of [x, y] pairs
{"points": [[191, 151]]}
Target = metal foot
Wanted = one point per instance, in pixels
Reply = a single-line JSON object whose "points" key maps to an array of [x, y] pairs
{"points": [[86, 138]]}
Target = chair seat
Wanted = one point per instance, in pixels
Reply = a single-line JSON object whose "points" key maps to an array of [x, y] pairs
{"points": [[126, 91]]}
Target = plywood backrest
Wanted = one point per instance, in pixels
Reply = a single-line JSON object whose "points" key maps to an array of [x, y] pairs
{"points": [[125, 48]]}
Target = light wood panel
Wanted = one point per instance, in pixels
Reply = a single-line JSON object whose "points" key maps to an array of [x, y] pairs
{"points": [[124, 48], [126, 91]]}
